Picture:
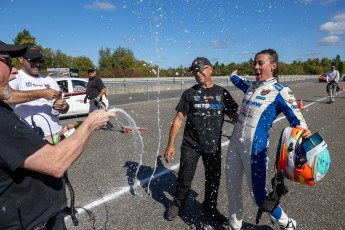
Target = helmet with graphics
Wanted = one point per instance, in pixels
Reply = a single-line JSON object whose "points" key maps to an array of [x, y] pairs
{"points": [[305, 161]]}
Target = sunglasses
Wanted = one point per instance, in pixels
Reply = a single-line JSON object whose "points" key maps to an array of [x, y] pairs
{"points": [[6, 60], [198, 69], [35, 60]]}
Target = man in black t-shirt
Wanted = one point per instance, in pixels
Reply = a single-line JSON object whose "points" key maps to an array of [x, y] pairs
{"points": [[204, 105], [31, 170], [95, 89]]}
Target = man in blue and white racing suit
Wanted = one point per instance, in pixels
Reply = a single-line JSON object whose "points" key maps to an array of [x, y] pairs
{"points": [[263, 101]]}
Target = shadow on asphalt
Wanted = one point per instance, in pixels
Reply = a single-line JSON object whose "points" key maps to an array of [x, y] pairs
{"points": [[248, 226], [191, 214]]}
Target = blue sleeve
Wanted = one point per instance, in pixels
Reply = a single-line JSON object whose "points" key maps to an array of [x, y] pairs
{"points": [[288, 105], [239, 83]]}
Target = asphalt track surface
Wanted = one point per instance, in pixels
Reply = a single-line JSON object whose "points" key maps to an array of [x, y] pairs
{"points": [[111, 194]]}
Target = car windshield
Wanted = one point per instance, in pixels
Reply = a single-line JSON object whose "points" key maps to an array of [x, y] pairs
{"points": [[79, 86]]}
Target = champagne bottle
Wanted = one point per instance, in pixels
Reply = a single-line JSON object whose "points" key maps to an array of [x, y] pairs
{"points": [[54, 111], [70, 131]]}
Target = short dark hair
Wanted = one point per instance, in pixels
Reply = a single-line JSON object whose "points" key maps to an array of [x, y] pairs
{"points": [[273, 56]]}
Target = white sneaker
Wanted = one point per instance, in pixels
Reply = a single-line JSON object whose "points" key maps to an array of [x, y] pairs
{"points": [[291, 225]]}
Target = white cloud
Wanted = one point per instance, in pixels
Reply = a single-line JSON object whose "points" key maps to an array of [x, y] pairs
{"points": [[306, 1], [337, 26], [219, 44], [328, 2], [98, 5], [339, 17], [331, 40], [313, 53], [333, 27], [245, 52]]}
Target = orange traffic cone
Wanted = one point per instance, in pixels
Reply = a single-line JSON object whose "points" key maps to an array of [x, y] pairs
{"points": [[342, 88], [300, 104]]}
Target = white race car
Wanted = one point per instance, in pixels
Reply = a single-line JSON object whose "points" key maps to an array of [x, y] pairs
{"points": [[74, 91]]}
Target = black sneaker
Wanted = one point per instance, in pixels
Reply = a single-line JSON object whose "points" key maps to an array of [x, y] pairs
{"points": [[215, 215], [172, 212]]}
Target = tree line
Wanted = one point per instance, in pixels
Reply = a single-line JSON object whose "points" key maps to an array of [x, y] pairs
{"points": [[121, 63]]}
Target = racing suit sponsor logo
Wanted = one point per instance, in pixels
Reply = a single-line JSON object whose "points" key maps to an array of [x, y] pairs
{"points": [[265, 92], [28, 84], [278, 86], [253, 103], [260, 97], [294, 106], [292, 101], [196, 98], [290, 93]]}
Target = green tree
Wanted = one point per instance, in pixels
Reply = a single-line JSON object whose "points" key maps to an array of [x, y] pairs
{"points": [[24, 37], [105, 60], [82, 63], [121, 62], [341, 68]]}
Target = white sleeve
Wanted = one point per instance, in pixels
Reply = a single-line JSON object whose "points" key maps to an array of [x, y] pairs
{"points": [[14, 83], [56, 85]]}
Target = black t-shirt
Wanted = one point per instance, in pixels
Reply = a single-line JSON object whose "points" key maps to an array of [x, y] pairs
{"points": [[35, 195], [93, 87], [205, 109]]}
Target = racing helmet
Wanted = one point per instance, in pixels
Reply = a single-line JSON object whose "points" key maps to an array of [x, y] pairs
{"points": [[305, 161]]}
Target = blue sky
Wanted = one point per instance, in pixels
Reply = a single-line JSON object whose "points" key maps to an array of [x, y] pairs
{"points": [[171, 33]]}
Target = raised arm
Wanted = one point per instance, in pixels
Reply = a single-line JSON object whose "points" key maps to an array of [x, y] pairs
{"points": [[19, 96], [55, 160]]}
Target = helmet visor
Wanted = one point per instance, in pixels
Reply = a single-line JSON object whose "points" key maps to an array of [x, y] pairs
{"points": [[314, 145]]}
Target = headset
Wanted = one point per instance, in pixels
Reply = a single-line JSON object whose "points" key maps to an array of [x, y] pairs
{"points": [[38, 130]]}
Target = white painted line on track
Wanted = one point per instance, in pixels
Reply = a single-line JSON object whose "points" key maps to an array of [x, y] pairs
{"points": [[126, 189]]}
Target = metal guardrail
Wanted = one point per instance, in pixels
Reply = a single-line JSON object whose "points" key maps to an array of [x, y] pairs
{"points": [[131, 82], [224, 80]]}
